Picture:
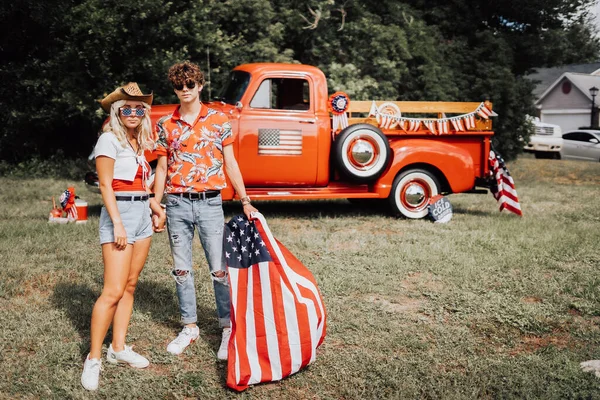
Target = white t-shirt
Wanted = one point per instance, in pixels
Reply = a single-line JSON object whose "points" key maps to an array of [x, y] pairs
{"points": [[126, 162]]}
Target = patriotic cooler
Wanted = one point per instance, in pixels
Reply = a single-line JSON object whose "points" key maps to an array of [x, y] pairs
{"points": [[277, 312]]}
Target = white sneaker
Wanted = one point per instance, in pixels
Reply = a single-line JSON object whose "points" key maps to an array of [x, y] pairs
{"points": [[186, 337], [222, 353], [91, 373], [126, 356]]}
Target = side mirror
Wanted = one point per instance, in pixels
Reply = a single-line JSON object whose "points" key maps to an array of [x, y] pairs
{"points": [[239, 105], [594, 140]]}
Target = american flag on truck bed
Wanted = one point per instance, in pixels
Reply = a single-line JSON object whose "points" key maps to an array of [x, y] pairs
{"points": [[279, 142], [503, 188]]}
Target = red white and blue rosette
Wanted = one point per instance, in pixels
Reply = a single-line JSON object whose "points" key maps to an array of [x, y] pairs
{"points": [[338, 105], [67, 202]]}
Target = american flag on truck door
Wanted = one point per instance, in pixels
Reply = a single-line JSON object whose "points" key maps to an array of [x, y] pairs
{"points": [[277, 313], [279, 142]]}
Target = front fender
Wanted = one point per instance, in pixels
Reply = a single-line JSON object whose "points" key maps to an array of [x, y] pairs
{"points": [[454, 162]]}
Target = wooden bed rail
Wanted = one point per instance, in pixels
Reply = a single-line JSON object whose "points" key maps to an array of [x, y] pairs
{"points": [[421, 107]]}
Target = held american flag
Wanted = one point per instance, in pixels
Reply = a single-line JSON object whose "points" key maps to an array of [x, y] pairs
{"points": [[279, 142], [503, 188], [277, 312]]}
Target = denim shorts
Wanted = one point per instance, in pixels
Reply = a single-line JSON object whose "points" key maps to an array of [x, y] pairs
{"points": [[136, 217]]}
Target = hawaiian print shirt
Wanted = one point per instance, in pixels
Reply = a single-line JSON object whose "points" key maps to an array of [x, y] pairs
{"points": [[194, 152]]}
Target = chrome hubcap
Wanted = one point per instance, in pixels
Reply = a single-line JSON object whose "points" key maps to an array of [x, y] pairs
{"points": [[362, 153], [414, 195]]}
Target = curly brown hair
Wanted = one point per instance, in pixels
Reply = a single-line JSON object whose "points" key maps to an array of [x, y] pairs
{"points": [[183, 72]]}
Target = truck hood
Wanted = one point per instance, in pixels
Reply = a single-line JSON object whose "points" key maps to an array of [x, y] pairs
{"points": [[223, 107]]}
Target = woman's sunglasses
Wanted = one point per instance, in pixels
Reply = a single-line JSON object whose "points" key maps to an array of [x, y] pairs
{"points": [[132, 112], [189, 84]]}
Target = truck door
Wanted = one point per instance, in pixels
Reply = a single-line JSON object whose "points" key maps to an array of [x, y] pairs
{"points": [[278, 134]]}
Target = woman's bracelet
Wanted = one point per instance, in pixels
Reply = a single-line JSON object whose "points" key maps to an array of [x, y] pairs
{"points": [[245, 200]]}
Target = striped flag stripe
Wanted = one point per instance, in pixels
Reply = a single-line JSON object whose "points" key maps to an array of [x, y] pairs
{"points": [[280, 152], [510, 192], [251, 315], [238, 297], [270, 325], [280, 321], [288, 142], [291, 321], [283, 146], [260, 324]]}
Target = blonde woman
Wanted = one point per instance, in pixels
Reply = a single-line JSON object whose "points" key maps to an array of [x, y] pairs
{"points": [[125, 224]]}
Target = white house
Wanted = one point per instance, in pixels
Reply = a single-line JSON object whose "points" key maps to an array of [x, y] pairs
{"points": [[567, 102]]}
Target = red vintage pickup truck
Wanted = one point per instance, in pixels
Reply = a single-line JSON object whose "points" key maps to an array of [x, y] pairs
{"points": [[295, 141]]}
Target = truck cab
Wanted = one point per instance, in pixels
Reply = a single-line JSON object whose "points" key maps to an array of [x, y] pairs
{"points": [[279, 122]]}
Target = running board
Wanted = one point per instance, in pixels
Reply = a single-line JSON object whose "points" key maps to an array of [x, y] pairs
{"points": [[328, 192], [477, 191]]}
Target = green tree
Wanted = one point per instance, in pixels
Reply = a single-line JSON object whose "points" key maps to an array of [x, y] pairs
{"points": [[491, 46], [61, 56]]}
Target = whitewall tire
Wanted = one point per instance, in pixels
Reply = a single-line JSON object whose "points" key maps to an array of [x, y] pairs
{"points": [[411, 192]]}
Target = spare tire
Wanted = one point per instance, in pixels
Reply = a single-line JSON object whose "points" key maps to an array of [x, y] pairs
{"points": [[362, 153]]}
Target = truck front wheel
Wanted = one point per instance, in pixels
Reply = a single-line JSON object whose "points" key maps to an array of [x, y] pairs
{"points": [[411, 192], [362, 152]]}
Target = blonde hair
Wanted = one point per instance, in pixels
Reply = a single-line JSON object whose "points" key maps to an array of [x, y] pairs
{"points": [[144, 129]]}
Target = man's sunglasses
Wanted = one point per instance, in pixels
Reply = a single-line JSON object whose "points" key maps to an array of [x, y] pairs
{"points": [[189, 84], [132, 112]]}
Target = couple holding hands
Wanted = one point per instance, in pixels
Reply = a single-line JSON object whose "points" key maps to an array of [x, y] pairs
{"points": [[194, 148]]}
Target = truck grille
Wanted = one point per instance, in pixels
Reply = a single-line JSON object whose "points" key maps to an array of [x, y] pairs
{"points": [[547, 130]]}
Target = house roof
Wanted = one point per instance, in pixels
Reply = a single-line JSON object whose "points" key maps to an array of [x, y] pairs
{"points": [[583, 82], [546, 76]]}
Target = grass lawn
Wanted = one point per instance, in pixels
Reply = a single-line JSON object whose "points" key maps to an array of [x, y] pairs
{"points": [[489, 305]]}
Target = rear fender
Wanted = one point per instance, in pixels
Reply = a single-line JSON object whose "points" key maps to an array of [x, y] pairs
{"points": [[454, 163]]}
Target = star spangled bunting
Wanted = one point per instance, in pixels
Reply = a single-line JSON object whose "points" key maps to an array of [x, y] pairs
{"points": [[503, 188], [277, 314]]}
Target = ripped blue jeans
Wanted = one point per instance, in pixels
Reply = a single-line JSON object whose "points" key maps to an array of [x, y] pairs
{"points": [[184, 216]]}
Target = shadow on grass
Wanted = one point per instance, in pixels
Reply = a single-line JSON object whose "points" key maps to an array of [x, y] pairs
{"points": [[77, 301], [159, 302], [481, 213], [309, 209], [94, 210], [152, 298]]}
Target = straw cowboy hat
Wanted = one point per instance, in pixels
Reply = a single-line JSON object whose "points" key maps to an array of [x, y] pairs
{"points": [[131, 91]]}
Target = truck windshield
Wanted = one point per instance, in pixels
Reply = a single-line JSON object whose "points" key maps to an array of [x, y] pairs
{"points": [[235, 87]]}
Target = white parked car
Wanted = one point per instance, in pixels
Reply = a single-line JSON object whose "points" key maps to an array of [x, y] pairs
{"points": [[581, 144], [546, 142]]}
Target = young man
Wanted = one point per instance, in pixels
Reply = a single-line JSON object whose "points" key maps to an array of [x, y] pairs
{"points": [[193, 145]]}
